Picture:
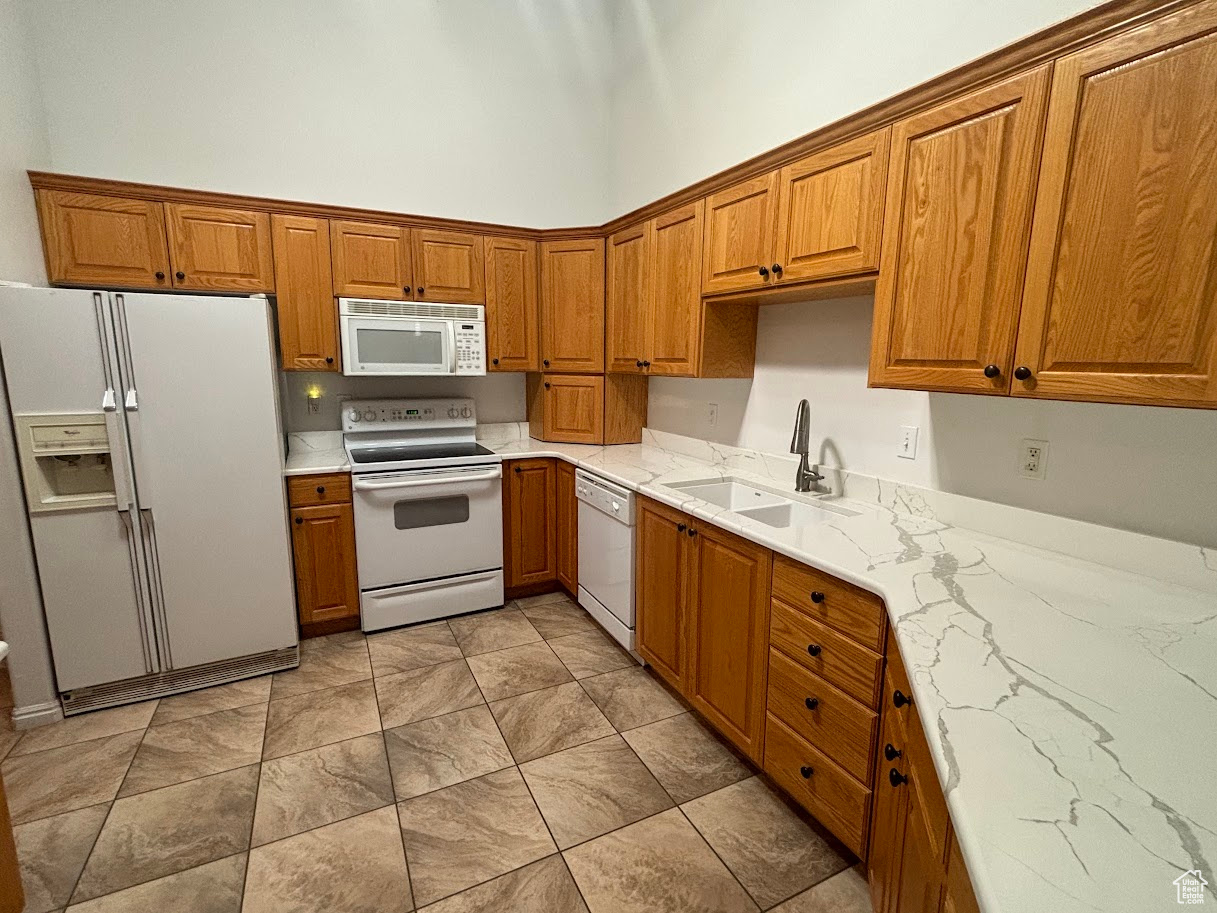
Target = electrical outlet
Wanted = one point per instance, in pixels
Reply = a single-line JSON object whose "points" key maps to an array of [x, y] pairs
{"points": [[712, 414], [1033, 459], [906, 446]]}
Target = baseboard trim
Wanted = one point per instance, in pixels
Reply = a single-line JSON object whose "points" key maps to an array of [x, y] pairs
{"points": [[37, 715]]}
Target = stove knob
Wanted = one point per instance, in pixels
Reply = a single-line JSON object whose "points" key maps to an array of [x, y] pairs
{"points": [[452, 413], [354, 415], [370, 415], [466, 412]]}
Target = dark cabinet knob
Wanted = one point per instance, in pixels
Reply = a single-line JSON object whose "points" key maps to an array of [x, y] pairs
{"points": [[646, 364], [180, 274], [680, 527], [329, 359], [547, 385], [320, 489], [891, 752], [817, 597], [299, 520], [814, 649], [764, 271], [777, 269], [812, 703], [895, 777], [518, 469], [421, 289], [806, 772], [1022, 372], [405, 289], [692, 532], [992, 370], [159, 275], [638, 363], [545, 361], [899, 699], [494, 361]]}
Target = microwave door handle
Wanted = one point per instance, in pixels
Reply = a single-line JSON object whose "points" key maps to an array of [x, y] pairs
{"points": [[362, 485], [451, 327]]}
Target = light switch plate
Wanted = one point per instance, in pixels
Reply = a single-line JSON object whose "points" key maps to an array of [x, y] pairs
{"points": [[906, 446]]}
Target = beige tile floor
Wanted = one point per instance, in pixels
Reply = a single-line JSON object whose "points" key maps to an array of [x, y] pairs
{"points": [[512, 760]]}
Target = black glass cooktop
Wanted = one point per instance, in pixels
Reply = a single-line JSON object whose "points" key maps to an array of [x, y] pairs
{"points": [[401, 454]]}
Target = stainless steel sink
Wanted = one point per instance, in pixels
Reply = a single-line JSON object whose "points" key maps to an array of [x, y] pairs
{"points": [[756, 503]]}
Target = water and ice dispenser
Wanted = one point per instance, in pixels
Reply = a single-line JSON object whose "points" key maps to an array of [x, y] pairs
{"points": [[65, 461]]}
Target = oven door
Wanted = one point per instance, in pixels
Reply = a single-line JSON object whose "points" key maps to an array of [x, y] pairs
{"points": [[397, 345], [424, 524]]}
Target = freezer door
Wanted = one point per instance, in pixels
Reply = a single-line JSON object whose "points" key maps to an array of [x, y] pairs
{"points": [[208, 460], [59, 354]]}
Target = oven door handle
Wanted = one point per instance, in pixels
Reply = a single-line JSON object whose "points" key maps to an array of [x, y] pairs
{"points": [[362, 485]]}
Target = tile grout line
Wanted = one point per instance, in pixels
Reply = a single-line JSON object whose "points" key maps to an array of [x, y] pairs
{"points": [[253, 815], [721, 860], [384, 743]]}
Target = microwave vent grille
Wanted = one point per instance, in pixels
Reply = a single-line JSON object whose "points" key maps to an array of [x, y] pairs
{"points": [[365, 307]]}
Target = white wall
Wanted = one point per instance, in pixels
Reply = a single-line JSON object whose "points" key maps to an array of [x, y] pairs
{"points": [[1146, 469], [23, 144], [497, 397], [460, 108], [699, 87]]}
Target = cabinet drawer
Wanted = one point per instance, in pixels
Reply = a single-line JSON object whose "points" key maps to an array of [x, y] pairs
{"points": [[850, 609], [832, 656], [824, 715], [303, 491], [840, 802]]}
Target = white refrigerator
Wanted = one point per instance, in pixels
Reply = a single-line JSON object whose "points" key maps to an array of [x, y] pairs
{"points": [[147, 428]]}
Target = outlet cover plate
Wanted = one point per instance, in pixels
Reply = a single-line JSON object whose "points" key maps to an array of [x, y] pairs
{"points": [[1033, 459]]}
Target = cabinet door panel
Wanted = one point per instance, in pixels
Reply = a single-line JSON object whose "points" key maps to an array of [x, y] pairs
{"points": [[661, 581], [528, 514], [741, 222], [955, 239], [628, 299], [1121, 300], [371, 260], [830, 214], [511, 304], [887, 818], [574, 409], [572, 306], [103, 241], [323, 540], [304, 294], [217, 249], [675, 309], [728, 638], [567, 515], [448, 266]]}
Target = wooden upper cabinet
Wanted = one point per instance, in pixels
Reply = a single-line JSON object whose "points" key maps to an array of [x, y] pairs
{"points": [[573, 408], [304, 294], [371, 260], [511, 304], [741, 227], [1121, 295], [104, 241], [448, 266], [830, 210], [213, 248], [661, 586], [675, 312], [955, 237], [528, 527], [572, 306], [729, 635], [628, 299]]}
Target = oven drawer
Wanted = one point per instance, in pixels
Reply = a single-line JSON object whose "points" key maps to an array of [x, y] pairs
{"points": [[415, 602]]}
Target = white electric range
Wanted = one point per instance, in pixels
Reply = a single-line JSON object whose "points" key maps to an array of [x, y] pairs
{"points": [[428, 510]]}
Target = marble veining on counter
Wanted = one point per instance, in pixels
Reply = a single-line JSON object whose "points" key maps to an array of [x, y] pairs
{"points": [[1069, 693], [315, 451]]}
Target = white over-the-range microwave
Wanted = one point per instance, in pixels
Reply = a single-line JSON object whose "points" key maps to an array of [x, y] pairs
{"points": [[412, 337]]}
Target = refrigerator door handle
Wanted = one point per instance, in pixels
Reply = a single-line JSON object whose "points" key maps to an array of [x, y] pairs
{"points": [[130, 398], [137, 579], [156, 587], [103, 340]]}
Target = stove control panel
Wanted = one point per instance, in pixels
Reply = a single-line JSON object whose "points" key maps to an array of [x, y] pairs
{"points": [[391, 414]]}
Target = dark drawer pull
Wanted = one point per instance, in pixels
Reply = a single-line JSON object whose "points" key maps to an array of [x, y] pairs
{"points": [[806, 772], [895, 777], [814, 650], [899, 699], [891, 752], [320, 489], [680, 527], [299, 520], [812, 703], [817, 597]]}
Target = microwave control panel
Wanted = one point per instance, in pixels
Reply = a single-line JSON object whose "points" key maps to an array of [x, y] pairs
{"points": [[470, 338]]}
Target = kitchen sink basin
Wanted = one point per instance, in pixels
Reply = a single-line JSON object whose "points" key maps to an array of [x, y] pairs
{"points": [[757, 504], [731, 494]]}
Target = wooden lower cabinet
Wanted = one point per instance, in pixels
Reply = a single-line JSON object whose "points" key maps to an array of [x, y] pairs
{"points": [[323, 546], [529, 528], [661, 583], [566, 511]]}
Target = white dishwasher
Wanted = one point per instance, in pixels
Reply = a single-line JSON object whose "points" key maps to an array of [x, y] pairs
{"points": [[606, 554]]}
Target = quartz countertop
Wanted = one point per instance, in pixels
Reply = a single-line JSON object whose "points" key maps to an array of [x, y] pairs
{"points": [[1069, 692]]}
